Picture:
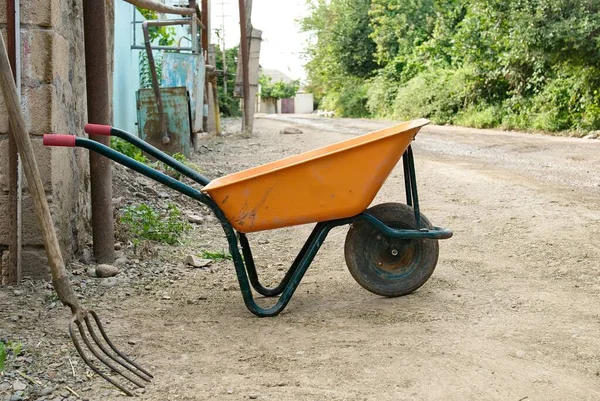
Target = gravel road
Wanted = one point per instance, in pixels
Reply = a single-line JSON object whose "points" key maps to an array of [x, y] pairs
{"points": [[512, 311]]}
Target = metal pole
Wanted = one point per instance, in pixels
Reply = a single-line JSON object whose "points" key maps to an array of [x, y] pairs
{"points": [[204, 16], [96, 71], [245, 58], [204, 52], [194, 28], [13, 270], [223, 48]]}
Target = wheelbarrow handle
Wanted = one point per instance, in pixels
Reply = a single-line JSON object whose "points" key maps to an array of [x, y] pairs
{"points": [[97, 129], [67, 141], [107, 130]]}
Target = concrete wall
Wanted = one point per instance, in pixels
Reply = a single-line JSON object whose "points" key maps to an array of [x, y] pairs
{"points": [[303, 103], [53, 100]]}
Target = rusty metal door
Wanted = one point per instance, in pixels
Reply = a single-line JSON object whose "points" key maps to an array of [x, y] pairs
{"points": [[287, 105]]}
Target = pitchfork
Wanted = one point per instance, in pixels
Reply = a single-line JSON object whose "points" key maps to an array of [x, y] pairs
{"points": [[109, 356]]}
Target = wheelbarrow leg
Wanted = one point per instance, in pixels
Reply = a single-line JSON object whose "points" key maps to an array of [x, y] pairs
{"points": [[410, 183], [311, 248], [251, 267]]}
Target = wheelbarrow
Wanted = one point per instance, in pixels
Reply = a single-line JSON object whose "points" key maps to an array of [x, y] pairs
{"points": [[391, 249]]}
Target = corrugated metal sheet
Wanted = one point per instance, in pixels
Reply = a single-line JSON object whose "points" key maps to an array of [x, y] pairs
{"points": [[177, 109]]}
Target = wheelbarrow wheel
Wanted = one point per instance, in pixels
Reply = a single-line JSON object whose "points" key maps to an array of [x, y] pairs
{"points": [[389, 266]]}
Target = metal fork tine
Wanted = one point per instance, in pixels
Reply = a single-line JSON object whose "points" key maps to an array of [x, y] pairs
{"points": [[103, 359], [116, 350], [90, 364], [106, 352]]}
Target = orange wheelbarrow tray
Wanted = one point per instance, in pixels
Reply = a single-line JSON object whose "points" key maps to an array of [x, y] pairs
{"points": [[391, 249]]}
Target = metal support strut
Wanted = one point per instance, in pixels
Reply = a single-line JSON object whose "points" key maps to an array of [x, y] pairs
{"points": [[410, 183]]}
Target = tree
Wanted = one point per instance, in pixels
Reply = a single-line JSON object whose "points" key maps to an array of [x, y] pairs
{"points": [[277, 90]]}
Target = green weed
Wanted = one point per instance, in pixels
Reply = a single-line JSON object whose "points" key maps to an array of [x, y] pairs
{"points": [[145, 222], [128, 149], [216, 256], [8, 349]]}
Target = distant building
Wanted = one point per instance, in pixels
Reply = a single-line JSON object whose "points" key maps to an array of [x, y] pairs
{"points": [[302, 103]]}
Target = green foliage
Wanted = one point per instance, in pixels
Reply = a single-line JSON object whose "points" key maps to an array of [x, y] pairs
{"points": [[9, 350], [217, 256], [228, 104], [164, 36], [128, 149], [171, 171], [437, 95], [3, 356], [518, 64], [146, 72], [277, 90], [145, 222]]}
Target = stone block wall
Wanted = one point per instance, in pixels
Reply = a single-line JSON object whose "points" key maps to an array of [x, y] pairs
{"points": [[53, 100]]}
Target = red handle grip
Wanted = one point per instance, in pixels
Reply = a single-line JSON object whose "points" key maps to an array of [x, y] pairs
{"points": [[97, 129], [59, 140]]}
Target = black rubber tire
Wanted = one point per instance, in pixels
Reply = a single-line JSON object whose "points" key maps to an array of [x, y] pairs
{"points": [[370, 259]]}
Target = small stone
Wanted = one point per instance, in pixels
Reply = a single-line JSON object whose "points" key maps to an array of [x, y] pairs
{"points": [[117, 202], [104, 271], [520, 354], [142, 181], [16, 397], [86, 256], [195, 219], [118, 246], [120, 262], [166, 297], [163, 195], [18, 293], [253, 396], [46, 391], [131, 342], [109, 282], [290, 131], [230, 391], [19, 385], [195, 261]]}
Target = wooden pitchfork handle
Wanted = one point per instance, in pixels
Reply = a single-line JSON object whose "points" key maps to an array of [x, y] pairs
{"points": [[60, 278]]}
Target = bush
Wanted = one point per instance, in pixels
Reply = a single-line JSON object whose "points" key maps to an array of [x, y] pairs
{"points": [[145, 222], [128, 149], [480, 116], [436, 94], [381, 93], [349, 101]]}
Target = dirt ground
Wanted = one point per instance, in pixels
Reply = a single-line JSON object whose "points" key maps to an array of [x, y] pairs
{"points": [[512, 311]]}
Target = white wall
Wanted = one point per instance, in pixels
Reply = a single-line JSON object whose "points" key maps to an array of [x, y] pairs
{"points": [[126, 78], [303, 103]]}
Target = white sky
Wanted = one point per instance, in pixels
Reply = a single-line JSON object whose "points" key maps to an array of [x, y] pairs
{"points": [[282, 43]]}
